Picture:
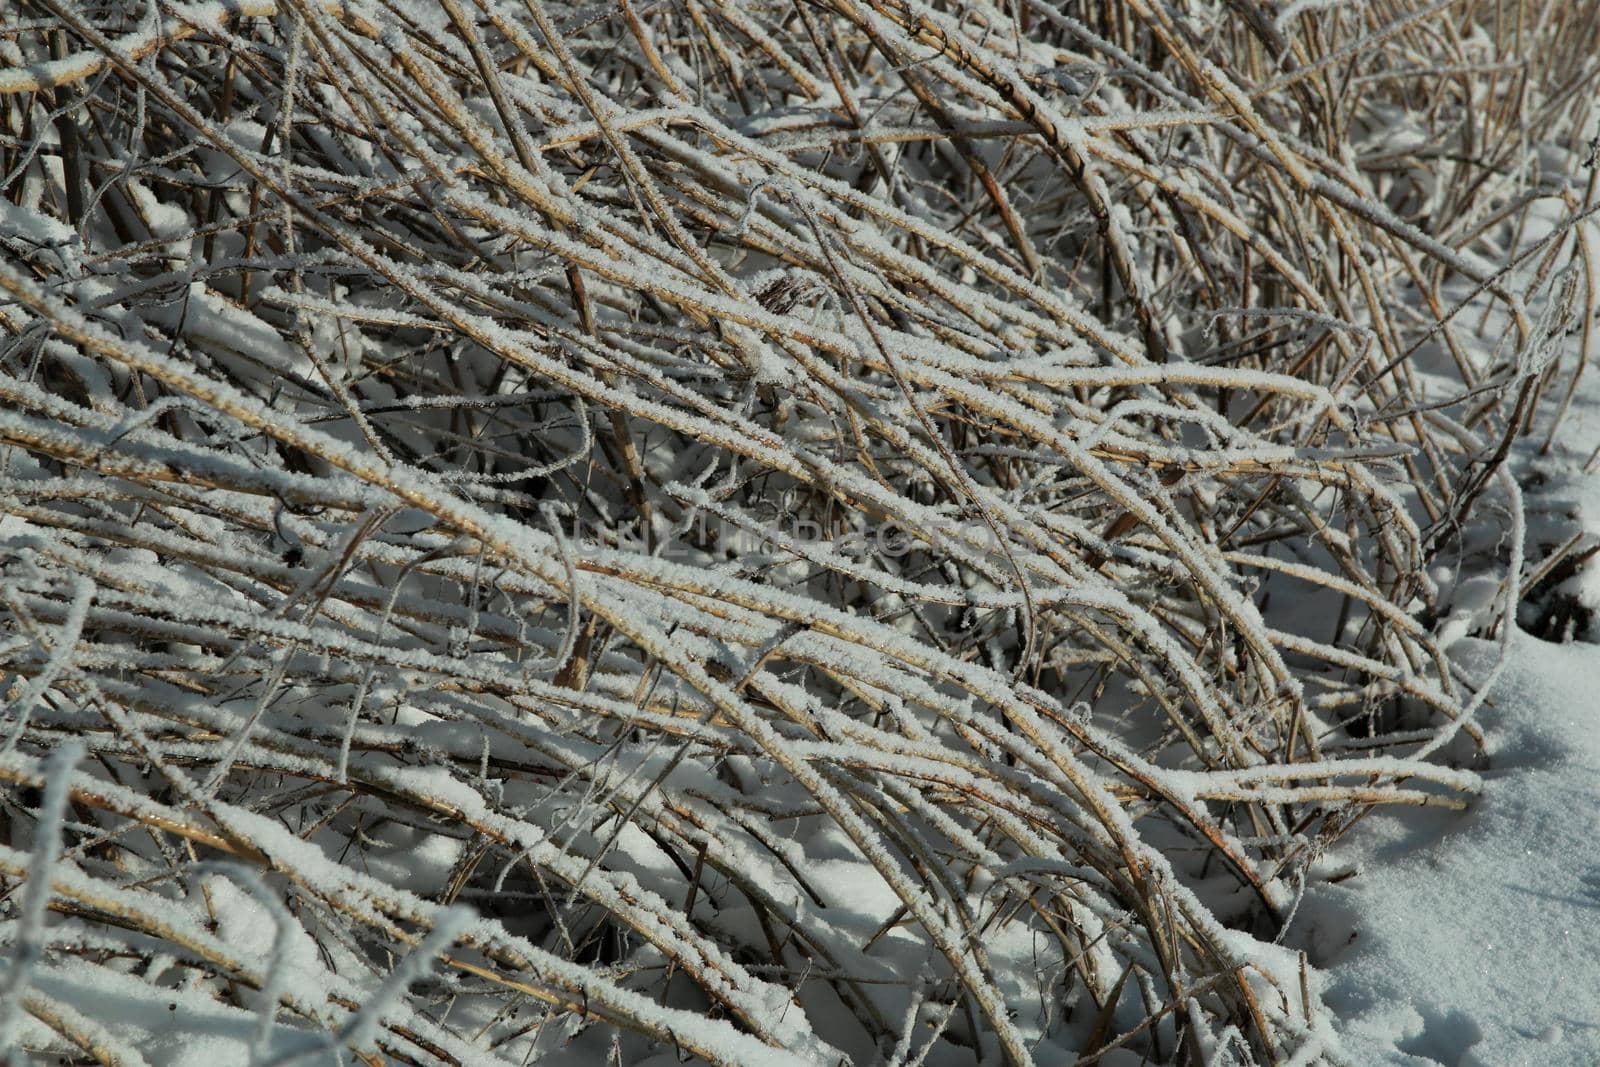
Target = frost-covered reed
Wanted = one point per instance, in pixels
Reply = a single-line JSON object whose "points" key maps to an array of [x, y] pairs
{"points": [[848, 530]]}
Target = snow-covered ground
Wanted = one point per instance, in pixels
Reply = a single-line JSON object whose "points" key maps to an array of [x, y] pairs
{"points": [[1473, 939]]}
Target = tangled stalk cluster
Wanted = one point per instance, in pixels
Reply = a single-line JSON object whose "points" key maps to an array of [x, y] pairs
{"points": [[822, 531]]}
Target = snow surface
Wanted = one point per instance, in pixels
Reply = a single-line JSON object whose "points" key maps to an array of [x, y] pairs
{"points": [[1477, 934]]}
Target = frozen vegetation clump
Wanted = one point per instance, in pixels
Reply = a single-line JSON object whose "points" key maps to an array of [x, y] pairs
{"points": [[837, 531]]}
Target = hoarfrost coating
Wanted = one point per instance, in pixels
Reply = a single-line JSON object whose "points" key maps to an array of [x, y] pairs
{"points": [[906, 532]]}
